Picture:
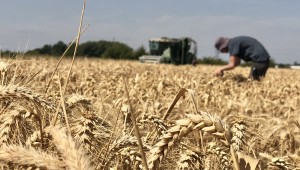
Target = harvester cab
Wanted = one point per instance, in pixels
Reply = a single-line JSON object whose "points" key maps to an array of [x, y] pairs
{"points": [[171, 50]]}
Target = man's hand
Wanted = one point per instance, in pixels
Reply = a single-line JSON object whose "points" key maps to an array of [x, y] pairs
{"points": [[219, 72], [233, 62]]}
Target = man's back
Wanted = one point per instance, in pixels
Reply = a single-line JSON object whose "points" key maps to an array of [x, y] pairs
{"points": [[248, 49]]}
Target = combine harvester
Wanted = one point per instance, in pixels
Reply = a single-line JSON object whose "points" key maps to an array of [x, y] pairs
{"points": [[176, 51]]}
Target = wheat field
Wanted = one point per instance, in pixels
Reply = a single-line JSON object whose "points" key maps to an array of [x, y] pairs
{"points": [[84, 117]]}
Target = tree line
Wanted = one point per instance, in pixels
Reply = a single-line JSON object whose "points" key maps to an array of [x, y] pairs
{"points": [[95, 49], [101, 49]]}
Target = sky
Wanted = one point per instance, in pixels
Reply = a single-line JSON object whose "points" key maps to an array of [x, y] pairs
{"points": [[30, 24]]}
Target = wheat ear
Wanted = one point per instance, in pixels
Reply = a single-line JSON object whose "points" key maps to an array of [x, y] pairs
{"points": [[221, 154], [8, 123], [189, 160], [159, 124], [30, 157], [11, 92], [238, 133], [83, 131], [3, 68], [73, 154], [204, 122], [89, 131], [123, 142], [130, 158]]}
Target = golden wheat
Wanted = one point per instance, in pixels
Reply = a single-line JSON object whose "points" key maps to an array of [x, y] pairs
{"points": [[190, 160], [221, 154], [30, 157], [130, 159], [204, 122], [74, 155], [160, 125], [9, 121], [3, 66], [15, 92], [95, 95], [238, 130]]}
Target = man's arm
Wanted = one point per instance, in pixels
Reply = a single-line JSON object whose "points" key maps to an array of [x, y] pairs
{"points": [[233, 62]]}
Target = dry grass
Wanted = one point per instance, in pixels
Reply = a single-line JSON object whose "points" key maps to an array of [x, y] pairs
{"points": [[259, 120]]}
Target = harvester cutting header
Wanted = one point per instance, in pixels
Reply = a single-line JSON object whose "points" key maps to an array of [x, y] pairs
{"points": [[171, 50]]}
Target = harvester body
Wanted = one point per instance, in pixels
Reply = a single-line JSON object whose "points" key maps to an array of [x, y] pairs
{"points": [[171, 50]]}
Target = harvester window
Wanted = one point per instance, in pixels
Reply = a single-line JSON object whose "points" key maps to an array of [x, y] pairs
{"points": [[167, 53]]}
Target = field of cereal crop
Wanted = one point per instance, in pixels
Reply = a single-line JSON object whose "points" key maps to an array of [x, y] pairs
{"points": [[187, 118]]}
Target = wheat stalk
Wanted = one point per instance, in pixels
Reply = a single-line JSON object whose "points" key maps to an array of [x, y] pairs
{"points": [[270, 161], [76, 99], [35, 139], [238, 133], [130, 159], [12, 92], [90, 129], [8, 123], [89, 132], [126, 144], [208, 161], [189, 160], [221, 154], [159, 124], [30, 157], [76, 46], [52, 75], [3, 69], [123, 142], [136, 129], [204, 122], [3, 66], [281, 163], [73, 154], [83, 131]]}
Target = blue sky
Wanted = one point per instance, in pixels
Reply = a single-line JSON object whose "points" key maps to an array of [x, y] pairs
{"points": [[275, 23]]}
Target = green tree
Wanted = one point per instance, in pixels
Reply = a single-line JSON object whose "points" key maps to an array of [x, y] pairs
{"points": [[46, 49], [92, 48], [70, 51], [58, 49], [138, 52], [104, 49], [117, 50], [6, 53]]}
